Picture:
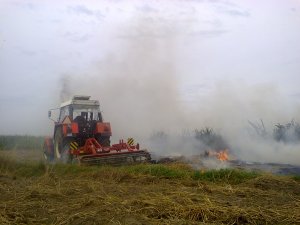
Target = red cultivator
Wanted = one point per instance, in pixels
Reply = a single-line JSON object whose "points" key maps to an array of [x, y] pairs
{"points": [[93, 153]]}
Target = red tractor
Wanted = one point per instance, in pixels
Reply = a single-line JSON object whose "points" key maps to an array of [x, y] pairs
{"points": [[81, 135]]}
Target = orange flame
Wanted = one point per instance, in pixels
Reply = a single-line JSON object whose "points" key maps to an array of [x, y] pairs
{"points": [[221, 155]]}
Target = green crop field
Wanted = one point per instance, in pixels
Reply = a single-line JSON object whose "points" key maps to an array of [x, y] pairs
{"points": [[25, 142]]}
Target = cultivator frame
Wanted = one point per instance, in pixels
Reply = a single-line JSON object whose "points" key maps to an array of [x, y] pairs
{"points": [[93, 153]]}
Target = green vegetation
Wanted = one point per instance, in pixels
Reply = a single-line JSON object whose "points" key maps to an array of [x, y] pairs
{"points": [[296, 178], [212, 140], [11, 142], [165, 171], [232, 176], [289, 132], [161, 171]]}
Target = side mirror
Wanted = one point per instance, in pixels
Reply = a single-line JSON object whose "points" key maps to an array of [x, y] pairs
{"points": [[49, 113]]}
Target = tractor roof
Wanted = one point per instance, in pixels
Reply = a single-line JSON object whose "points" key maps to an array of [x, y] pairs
{"points": [[81, 100]]}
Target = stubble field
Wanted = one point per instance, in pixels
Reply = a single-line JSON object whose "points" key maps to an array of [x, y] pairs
{"points": [[32, 192]]}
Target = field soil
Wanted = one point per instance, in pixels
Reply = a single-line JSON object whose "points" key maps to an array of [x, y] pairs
{"points": [[32, 192]]}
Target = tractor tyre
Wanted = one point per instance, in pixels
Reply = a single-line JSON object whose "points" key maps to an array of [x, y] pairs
{"points": [[58, 144], [47, 156], [66, 157], [104, 141]]}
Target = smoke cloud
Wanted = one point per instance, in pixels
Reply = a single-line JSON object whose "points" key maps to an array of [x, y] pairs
{"points": [[65, 91], [140, 94]]}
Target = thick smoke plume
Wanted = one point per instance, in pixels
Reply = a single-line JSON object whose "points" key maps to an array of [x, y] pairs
{"points": [[65, 91], [138, 86]]}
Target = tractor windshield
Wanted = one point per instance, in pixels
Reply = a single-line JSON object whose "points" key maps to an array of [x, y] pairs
{"points": [[87, 112]]}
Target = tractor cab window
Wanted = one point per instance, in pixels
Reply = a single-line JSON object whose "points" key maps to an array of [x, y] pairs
{"points": [[64, 111], [88, 114]]}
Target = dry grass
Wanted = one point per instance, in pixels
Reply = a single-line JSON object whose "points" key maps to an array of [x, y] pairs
{"points": [[35, 193]]}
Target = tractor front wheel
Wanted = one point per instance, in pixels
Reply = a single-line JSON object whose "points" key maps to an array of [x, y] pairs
{"points": [[58, 145], [47, 156], [62, 147], [48, 149], [66, 157]]}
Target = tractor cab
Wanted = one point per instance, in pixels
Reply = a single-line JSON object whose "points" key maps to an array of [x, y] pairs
{"points": [[83, 119], [80, 108]]}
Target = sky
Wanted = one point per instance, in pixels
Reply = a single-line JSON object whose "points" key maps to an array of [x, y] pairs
{"points": [[150, 60]]}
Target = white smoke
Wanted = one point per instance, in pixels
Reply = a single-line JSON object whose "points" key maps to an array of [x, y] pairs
{"points": [[140, 93]]}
